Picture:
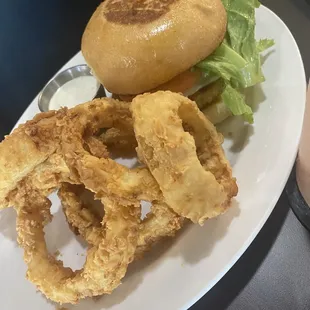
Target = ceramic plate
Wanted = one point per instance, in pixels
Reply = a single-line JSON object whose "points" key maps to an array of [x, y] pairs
{"points": [[178, 273]]}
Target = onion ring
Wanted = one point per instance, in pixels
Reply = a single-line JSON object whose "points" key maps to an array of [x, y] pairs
{"points": [[78, 215], [119, 142], [104, 174], [113, 178], [184, 153], [108, 258], [106, 262], [31, 145], [46, 176], [75, 154], [159, 223], [36, 158]]}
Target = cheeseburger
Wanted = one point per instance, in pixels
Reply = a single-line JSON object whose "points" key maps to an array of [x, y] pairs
{"points": [[205, 49]]}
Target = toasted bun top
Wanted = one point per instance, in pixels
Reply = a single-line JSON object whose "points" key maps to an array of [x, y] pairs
{"points": [[133, 46]]}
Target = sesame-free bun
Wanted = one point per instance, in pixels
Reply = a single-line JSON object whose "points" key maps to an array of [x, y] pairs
{"points": [[133, 46]]}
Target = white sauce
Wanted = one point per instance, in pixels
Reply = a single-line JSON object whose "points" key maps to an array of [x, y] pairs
{"points": [[76, 91]]}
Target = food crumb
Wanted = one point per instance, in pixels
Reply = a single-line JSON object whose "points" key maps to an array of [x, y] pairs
{"points": [[57, 253]]}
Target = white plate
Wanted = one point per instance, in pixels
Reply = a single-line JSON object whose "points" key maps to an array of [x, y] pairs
{"points": [[184, 270]]}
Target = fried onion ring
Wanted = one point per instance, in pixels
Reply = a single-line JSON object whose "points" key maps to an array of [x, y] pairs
{"points": [[184, 153], [121, 143], [114, 179], [27, 147], [159, 223], [37, 160], [106, 262], [104, 174], [107, 258], [78, 214], [68, 148]]}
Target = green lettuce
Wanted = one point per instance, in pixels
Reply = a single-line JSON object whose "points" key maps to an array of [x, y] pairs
{"points": [[237, 60], [264, 44]]}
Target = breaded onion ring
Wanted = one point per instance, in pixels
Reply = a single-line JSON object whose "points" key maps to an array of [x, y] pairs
{"points": [[74, 155], [106, 262], [115, 180], [183, 151], [120, 143], [161, 222], [104, 174], [78, 215], [36, 159], [27, 147]]}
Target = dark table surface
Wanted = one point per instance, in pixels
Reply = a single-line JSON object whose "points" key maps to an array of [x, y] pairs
{"points": [[38, 37]]}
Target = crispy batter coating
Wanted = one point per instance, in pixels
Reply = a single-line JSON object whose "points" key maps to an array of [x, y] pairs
{"points": [[114, 179], [79, 215], [27, 147], [183, 151], [104, 173], [27, 180], [106, 262], [186, 175], [121, 143], [161, 222]]}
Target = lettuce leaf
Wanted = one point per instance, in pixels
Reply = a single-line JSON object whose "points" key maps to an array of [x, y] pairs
{"points": [[237, 60], [264, 44], [236, 103], [229, 65]]}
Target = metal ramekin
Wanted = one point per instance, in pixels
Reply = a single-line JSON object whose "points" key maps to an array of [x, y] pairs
{"points": [[60, 79]]}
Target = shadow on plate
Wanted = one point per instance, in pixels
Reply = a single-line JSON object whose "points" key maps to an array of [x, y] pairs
{"points": [[245, 268], [236, 132], [8, 224], [254, 97], [197, 235], [265, 56]]}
